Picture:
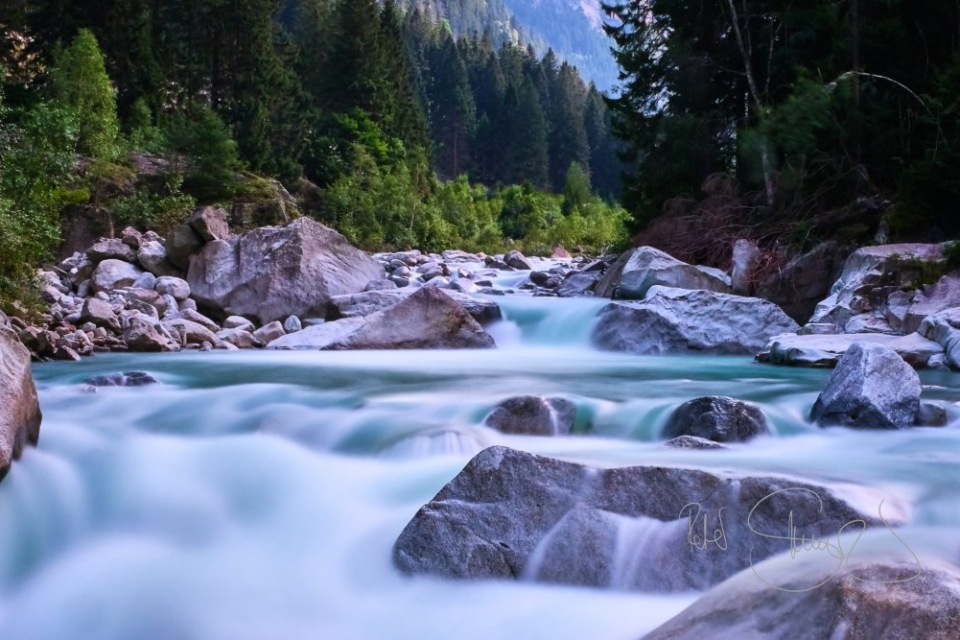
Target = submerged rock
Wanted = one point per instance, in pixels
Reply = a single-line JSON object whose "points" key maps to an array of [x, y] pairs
{"points": [[533, 415], [682, 321], [803, 601], [275, 272], [693, 442], [718, 419], [19, 408], [872, 387], [126, 379], [511, 514]]}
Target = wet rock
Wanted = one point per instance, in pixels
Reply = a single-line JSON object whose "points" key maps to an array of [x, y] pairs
{"points": [[19, 408], [944, 328], [682, 321], [427, 319], [112, 249], [648, 267], [240, 338], [380, 284], [113, 274], [126, 379], [579, 284], [825, 350], [494, 263], [511, 514], [718, 419], [292, 324], [884, 598], [533, 415], [364, 304], [693, 442], [539, 278], [274, 272], [195, 316], [517, 260], [190, 333], [872, 387], [931, 415]]}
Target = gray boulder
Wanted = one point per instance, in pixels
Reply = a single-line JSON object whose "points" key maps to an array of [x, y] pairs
{"points": [[517, 260], [100, 313], [176, 287], [718, 419], [113, 274], [944, 329], [19, 408], [182, 243], [239, 322], [153, 257], [269, 332], [511, 514], [111, 249], [240, 338], [579, 284], [274, 272], [648, 267], [906, 310], [428, 319], [369, 302], [292, 324], [804, 281], [825, 350], [792, 600], [210, 223], [533, 415], [682, 321], [872, 387]]}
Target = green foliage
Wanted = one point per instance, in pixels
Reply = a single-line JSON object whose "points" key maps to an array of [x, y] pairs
{"points": [[80, 82], [576, 190], [160, 210], [208, 153], [36, 154], [144, 135]]}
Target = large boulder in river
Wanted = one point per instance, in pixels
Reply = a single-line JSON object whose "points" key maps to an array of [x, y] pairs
{"points": [[19, 408], [872, 387], [783, 599], [356, 305], [648, 267], [511, 514], [275, 272], [533, 415], [944, 328], [718, 419], [428, 319], [680, 321]]}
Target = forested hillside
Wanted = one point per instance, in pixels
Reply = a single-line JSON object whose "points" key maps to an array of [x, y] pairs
{"points": [[810, 119], [384, 124]]}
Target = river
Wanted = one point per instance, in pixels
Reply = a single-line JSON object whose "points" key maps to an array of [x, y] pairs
{"points": [[257, 495]]}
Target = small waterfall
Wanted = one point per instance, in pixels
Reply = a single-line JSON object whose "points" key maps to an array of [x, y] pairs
{"points": [[547, 321], [645, 550]]}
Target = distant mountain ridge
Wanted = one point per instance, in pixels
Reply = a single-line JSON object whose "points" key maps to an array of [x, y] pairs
{"points": [[572, 28]]}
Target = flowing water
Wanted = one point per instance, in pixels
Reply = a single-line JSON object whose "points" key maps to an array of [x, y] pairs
{"points": [[258, 494]]}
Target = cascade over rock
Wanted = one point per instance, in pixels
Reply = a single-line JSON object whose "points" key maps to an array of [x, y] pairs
{"points": [[511, 514], [275, 272], [682, 321], [19, 408]]}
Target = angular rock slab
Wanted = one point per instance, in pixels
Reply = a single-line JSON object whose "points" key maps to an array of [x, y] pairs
{"points": [[884, 599], [872, 387], [820, 350], [717, 419], [19, 408], [944, 329], [533, 415], [682, 321], [511, 514], [428, 319], [369, 302], [275, 272], [648, 267]]}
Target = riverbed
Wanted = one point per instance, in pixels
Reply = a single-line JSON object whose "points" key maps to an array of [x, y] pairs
{"points": [[257, 495]]}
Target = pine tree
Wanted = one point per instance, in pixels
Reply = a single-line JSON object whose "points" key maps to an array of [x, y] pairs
{"points": [[453, 114], [80, 82]]}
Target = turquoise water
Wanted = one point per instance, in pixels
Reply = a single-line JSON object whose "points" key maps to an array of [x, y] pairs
{"points": [[258, 494]]}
